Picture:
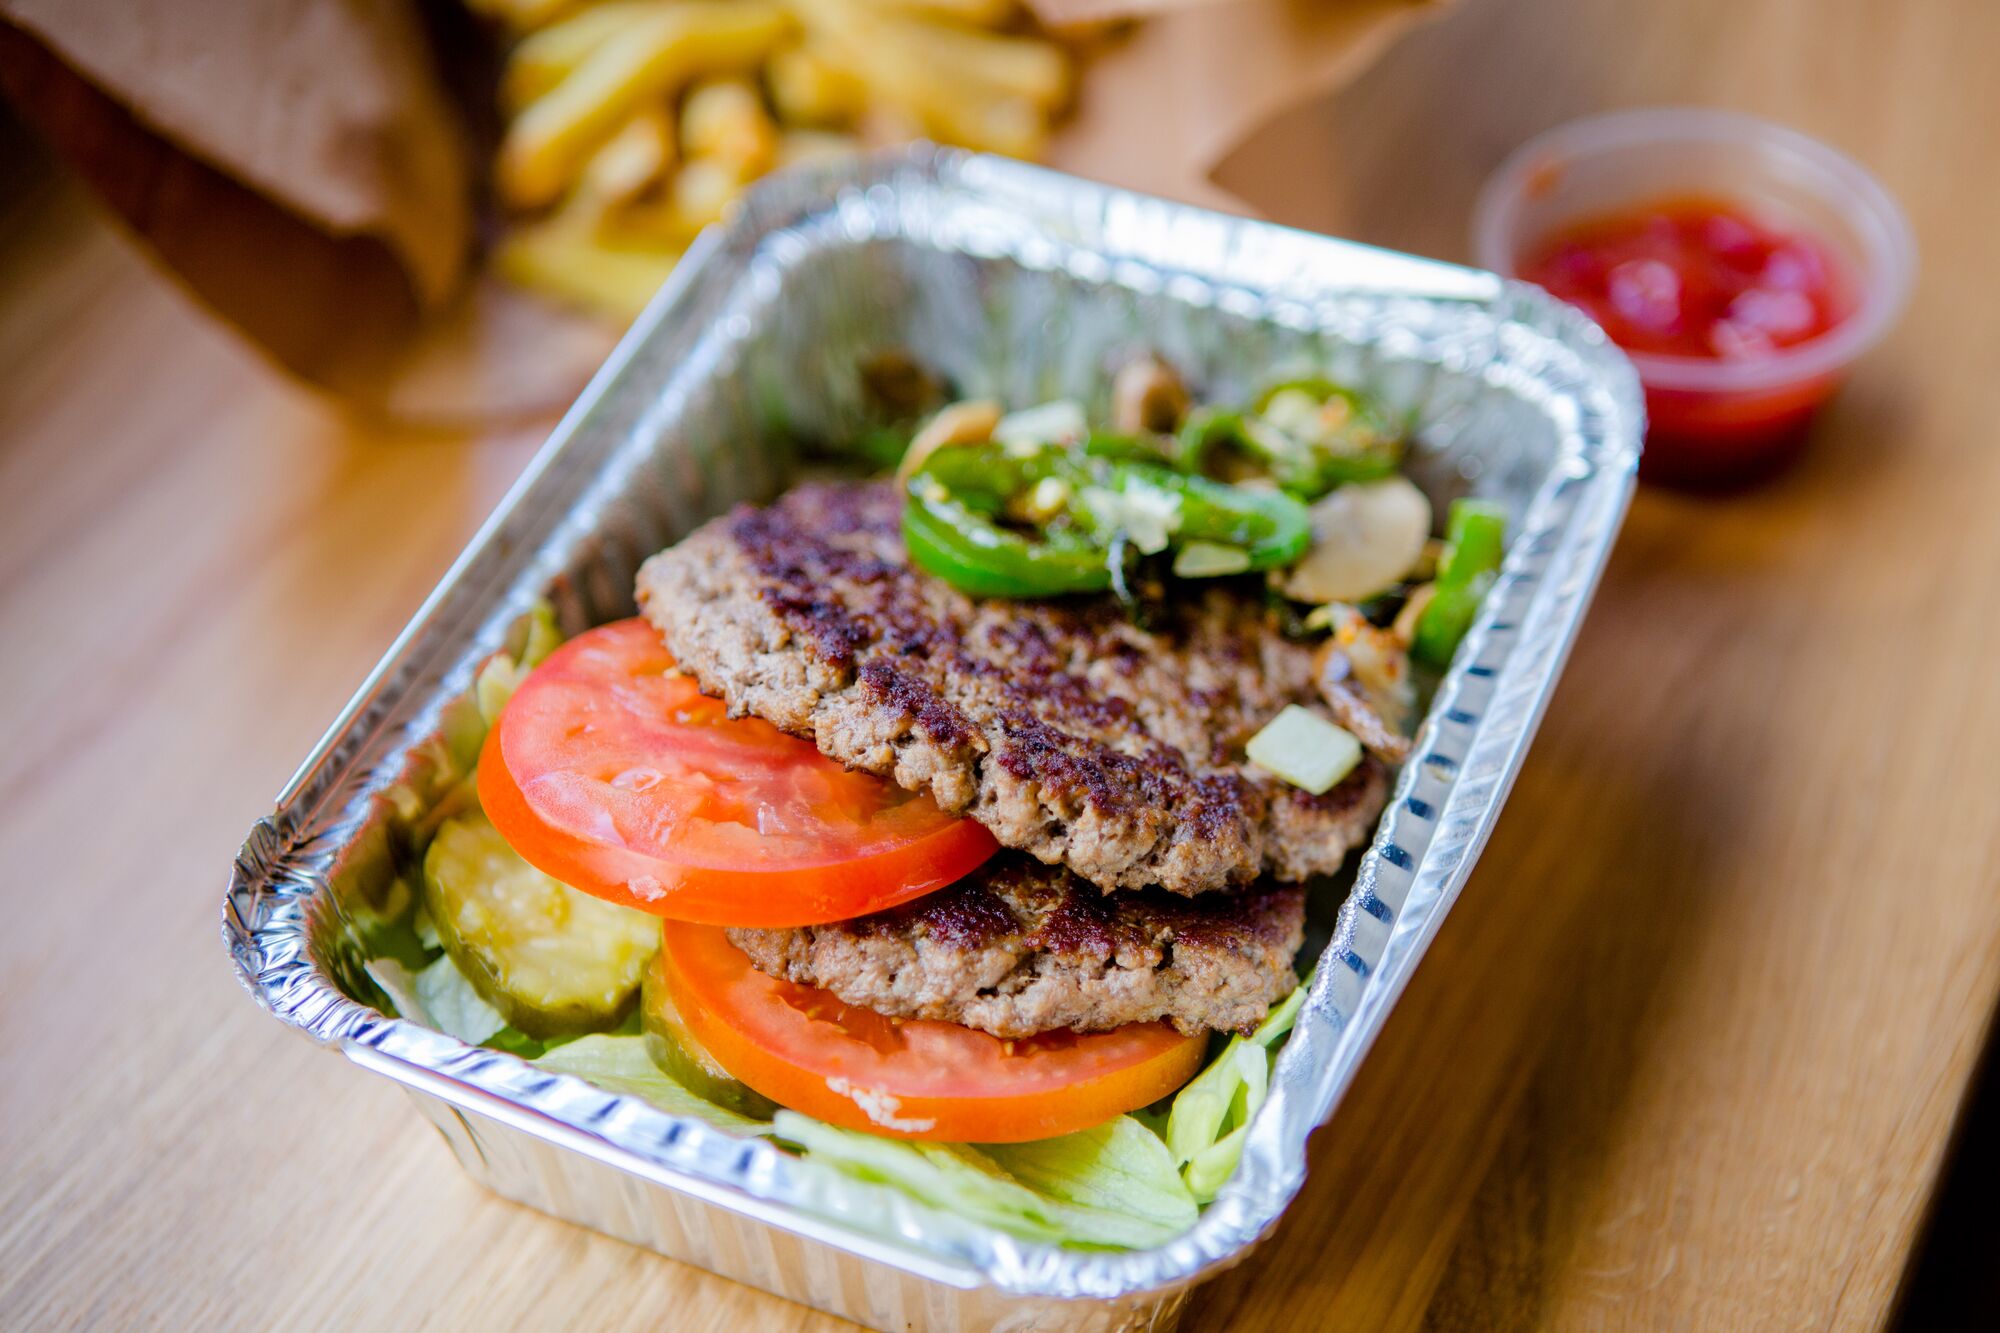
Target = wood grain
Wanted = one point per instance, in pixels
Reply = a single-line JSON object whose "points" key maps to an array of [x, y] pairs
{"points": [[1687, 1054]]}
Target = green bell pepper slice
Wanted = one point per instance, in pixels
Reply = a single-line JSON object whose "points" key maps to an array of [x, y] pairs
{"points": [[966, 548], [1271, 527], [953, 528], [1475, 533], [1366, 447]]}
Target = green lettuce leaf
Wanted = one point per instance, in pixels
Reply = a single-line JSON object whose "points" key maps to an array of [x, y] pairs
{"points": [[453, 1007], [501, 676], [620, 1064], [399, 983], [1120, 1166], [1120, 1184], [1072, 1208], [1209, 1117]]}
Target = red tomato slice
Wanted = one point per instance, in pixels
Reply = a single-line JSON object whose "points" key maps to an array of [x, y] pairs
{"points": [[805, 1048], [629, 783]]}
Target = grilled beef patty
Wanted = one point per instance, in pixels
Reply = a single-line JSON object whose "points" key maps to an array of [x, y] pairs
{"points": [[1018, 948], [1068, 730]]}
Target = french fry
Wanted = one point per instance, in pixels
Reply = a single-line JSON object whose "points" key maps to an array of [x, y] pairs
{"points": [[544, 148], [633, 160], [800, 146], [979, 13], [951, 101], [810, 86], [523, 15], [646, 224], [566, 256], [991, 124], [699, 192], [702, 191], [725, 119], [643, 121], [1023, 67], [543, 59]]}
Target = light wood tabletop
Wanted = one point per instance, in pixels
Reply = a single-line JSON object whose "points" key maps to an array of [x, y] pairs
{"points": [[1688, 1053]]}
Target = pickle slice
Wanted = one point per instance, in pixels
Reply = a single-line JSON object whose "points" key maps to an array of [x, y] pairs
{"points": [[553, 961], [683, 1059]]}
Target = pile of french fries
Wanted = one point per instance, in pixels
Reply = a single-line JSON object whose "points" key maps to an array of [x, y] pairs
{"points": [[633, 124]]}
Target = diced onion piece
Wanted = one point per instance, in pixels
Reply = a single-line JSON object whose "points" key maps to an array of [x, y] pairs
{"points": [[1060, 422], [1209, 560], [1365, 537], [1147, 515], [1044, 501], [1305, 749]]}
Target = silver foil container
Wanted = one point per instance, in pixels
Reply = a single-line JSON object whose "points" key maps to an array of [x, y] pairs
{"points": [[1027, 285]]}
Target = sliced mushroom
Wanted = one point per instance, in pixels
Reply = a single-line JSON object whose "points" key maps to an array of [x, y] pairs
{"points": [[1405, 628], [1365, 538], [895, 385], [1147, 396], [1058, 422], [969, 422], [1351, 707]]}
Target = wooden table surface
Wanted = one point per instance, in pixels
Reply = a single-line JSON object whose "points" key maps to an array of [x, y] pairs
{"points": [[1687, 1054]]}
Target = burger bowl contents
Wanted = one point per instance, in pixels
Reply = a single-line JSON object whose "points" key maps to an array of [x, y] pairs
{"points": [[975, 806]]}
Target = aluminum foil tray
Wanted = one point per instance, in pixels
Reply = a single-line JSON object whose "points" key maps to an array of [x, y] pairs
{"points": [[1027, 285]]}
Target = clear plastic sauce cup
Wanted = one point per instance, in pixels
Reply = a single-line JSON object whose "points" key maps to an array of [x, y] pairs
{"points": [[1712, 419]]}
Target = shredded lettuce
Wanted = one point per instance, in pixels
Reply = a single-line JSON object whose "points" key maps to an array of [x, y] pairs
{"points": [[1210, 1116], [620, 1064], [464, 721], [399, 983], [1115, 1185], [1120, 1166], [453, 1006], [501, 676], [426, 929], [439, 996], [375, 926], [1135, 1181], [1053, 1202]]}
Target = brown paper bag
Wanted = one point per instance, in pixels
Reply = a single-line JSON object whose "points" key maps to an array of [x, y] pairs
{"points": [[296, 164], [1162, 109]]}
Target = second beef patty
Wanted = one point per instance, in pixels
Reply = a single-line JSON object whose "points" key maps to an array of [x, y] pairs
{"points": [[1019, 948]]}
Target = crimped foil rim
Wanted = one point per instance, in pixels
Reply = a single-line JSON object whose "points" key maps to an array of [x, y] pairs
{"points": [[1442, 809]]}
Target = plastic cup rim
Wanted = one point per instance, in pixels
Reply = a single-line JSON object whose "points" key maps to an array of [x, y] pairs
{"points": [[1890, 257]]}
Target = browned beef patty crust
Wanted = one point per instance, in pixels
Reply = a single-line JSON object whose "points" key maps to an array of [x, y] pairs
{"points": [[1071, 732], [1018, 948]]}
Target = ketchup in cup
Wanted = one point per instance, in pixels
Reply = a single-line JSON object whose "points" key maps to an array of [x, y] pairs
{"points": [[1742, 267]]}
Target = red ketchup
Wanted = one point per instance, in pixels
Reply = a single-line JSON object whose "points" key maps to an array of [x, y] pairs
{"points": [[1692, 287]]}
